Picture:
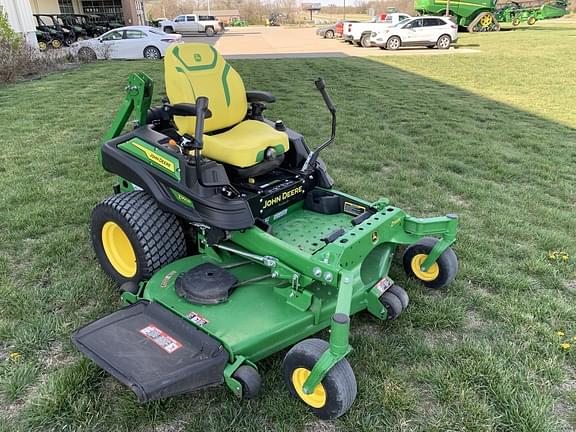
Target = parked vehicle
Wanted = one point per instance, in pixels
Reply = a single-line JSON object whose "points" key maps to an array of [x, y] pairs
{"points": [[328, 32], [360, 33], [59, 35], [347, 28], [192, 24], [44, 40], [69, 22], [91, 28], [109, 22], [132, 42], [420, 31]]}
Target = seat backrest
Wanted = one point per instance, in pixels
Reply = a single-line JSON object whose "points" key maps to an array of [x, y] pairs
{"points": [[192, 70]]}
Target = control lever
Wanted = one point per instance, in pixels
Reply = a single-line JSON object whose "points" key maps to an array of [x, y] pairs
{"points": [[310, 161]]}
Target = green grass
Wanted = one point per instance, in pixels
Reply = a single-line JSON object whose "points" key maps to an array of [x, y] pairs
{"points": [[490, 136]]}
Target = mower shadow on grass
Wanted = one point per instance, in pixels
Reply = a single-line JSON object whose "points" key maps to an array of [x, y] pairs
{"points": [[431, 147]]}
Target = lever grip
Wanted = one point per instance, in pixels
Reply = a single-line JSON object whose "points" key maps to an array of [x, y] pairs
{"points": [[321, 86], [201, 110]]}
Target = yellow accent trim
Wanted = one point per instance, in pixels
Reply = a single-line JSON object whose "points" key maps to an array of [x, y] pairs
{"points": [[317, 399], [426, 276], [118, 249], [169, 165]]}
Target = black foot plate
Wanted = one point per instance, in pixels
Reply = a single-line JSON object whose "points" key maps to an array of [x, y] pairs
{"points": [[153, 351]]}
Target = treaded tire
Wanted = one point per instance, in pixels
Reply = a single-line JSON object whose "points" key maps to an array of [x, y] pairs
{"points": [[339, 383], [447, 262], [365, 41], [250, 380], [393, 305], [402, 295], [155, 235]]}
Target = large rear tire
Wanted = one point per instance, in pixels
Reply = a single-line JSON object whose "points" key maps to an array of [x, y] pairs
{"points": [[133, 237]]}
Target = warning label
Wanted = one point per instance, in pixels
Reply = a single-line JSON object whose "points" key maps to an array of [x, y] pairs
{"points": [[197, 319], [163, 340], [383, 285]]}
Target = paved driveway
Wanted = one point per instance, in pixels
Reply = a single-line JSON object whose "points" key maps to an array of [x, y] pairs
{"points": [[278, 42]]}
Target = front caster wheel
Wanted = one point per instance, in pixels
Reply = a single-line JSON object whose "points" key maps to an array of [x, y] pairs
{"points": [[250, 380], [337, 391], [392, 304], [440, 274]]}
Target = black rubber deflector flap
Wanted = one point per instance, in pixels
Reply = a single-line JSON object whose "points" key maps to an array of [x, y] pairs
{"points": [[153, 351]]}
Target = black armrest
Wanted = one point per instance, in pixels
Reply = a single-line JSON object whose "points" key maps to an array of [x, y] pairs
{"points": [[259, 96], [185, 110]]}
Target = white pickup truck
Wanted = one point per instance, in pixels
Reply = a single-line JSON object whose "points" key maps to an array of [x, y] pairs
{"points": [[359, 33], [192, 24]]}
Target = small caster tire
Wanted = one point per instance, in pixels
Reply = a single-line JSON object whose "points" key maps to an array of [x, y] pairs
{"points": [[401, 293], [392, 304], [249, 379], [334, 395], [440, 274]]}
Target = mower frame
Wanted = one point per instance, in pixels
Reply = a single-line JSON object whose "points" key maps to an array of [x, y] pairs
{"points": [[339, 265]]}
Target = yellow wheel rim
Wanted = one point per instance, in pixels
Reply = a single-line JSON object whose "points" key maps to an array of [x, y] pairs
{"points": [[42, 46], [317, 399], [426, 276], [486, 20], [56, 44], [118, 249]]}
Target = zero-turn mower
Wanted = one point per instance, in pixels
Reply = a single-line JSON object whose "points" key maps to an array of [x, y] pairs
{"points": [[231, 244]]}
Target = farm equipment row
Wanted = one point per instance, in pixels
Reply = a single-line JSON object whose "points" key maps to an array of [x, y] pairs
{"points": [[486, 16], [57, 30]]}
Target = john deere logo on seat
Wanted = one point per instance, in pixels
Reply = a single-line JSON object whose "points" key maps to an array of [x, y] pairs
{"points": [[197, 57]]}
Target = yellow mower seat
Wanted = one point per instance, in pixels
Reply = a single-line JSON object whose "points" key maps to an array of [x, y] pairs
{"points": [[194, 70]]}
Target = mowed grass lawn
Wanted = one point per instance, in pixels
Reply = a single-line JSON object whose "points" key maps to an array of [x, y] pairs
{"points": [[489, 135]]}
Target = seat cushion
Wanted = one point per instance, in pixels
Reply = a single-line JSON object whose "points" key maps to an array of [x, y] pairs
{"points": [[245, 144]]}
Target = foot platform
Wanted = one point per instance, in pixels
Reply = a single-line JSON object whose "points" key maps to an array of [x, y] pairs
{"points": [[153, 351]]}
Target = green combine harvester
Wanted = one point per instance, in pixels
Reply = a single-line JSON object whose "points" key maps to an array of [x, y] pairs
{"points": [[485, 16]]}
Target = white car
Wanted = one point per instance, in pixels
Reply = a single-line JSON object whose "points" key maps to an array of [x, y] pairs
{"points": [[132, 42], [429, 31]]}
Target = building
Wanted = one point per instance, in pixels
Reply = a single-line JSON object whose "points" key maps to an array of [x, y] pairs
{"points": [[130, 12], [19, 13]]}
